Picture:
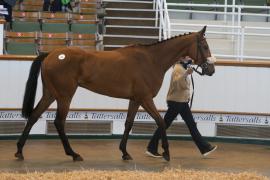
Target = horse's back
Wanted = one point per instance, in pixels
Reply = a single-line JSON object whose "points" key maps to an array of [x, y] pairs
{"points": [[112, 73]]}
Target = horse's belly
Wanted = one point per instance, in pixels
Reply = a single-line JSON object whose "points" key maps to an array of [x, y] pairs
{"points": [[109, 89]]}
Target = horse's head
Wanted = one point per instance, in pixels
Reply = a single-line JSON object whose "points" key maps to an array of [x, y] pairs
{"points": [[200, 52]]}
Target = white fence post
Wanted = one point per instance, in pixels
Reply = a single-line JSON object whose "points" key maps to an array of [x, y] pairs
{"points": [[242, 43], [225, 10], [157, 12]]}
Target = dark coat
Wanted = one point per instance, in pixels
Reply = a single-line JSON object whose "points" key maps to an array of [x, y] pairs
{"points": [[10, 2]]}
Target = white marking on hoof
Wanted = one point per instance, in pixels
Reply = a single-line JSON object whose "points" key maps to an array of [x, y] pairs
{"points": [[61, 56]]}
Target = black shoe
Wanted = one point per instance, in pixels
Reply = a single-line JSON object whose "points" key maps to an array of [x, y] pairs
{"points": [[153, 154], [212, 149]]}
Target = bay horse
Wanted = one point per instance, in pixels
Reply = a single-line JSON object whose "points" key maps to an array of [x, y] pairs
{"points": [[135, 72]]}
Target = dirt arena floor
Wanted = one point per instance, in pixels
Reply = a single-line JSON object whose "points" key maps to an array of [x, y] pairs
{"points": [[48, 155]]}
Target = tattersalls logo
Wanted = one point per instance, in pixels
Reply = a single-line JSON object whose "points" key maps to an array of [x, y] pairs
{"points": [[106, 115], [95, 115], [85, 116], [10, 115], [220, 119], [244, 119], [205, 117], [71, 115], [143, 116]]}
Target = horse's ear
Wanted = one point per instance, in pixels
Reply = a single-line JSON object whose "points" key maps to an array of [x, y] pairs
{"points": [[202, 32]]}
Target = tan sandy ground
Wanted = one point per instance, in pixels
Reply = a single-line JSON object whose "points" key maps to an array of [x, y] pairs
{"points": [[170, 174]]}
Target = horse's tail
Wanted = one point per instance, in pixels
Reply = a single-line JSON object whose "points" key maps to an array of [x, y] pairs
{"points": [[31, 86]]}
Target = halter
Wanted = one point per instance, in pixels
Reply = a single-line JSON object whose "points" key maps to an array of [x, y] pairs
{"points": [[203, 65]]}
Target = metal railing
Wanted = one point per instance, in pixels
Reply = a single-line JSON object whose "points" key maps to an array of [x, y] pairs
{"points": [[162, 16], [234, 27], [239, 32], [231, 27]]}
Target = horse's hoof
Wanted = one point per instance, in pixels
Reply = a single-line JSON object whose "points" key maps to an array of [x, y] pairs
{"points": [[166, 156], [19, 156], [77, 158], [127, 157]]}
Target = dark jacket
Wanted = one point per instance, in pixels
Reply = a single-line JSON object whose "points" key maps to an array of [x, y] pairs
{"points": [[10, 2]]}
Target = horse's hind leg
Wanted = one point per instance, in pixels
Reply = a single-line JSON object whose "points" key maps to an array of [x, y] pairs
{"points": [[150, 107], [59, 122], [132, 110], [43, 104]]}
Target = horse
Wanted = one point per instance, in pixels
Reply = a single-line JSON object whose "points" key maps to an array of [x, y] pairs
{"points": [[134, 72]]}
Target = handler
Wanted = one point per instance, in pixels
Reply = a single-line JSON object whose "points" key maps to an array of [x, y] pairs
{"points": [[177, 100]]}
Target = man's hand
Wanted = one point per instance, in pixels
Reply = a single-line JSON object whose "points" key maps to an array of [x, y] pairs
{"points": [[189, 71]]}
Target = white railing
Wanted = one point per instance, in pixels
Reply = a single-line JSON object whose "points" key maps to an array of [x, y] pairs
{"points": [[167, 20], [233, 25], [236, 10], [162, 16], [240, 33]]}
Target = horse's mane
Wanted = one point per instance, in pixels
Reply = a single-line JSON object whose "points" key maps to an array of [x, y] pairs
{"points": [[158, 42]]}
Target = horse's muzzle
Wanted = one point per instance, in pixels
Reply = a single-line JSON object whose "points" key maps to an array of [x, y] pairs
{"points": [[209, 71]]}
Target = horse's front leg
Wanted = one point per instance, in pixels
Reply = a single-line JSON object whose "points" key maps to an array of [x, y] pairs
{"points": [[149, 106], [132, 110]]}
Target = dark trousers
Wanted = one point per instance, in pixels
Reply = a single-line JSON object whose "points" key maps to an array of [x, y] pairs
{"points": [[46, 5], [175, 108], [56, 5]]}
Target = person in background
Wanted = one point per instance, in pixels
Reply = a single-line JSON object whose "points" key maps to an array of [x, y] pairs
{"points": [[46, 5], [8, 4], [56, 5], [66, 6], [177, 100]]}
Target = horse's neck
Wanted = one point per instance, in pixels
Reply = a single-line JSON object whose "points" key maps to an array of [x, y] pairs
{"points": [[168, 53]]}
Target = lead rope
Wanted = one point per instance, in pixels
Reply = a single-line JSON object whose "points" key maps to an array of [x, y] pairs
{"points": [[191, 99], [196, 70]]}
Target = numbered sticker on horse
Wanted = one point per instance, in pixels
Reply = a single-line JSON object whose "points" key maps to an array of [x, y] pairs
{"points": [[61, 57]]}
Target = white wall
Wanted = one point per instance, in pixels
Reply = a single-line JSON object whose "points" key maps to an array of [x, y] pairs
{"points": [[233, 89]]}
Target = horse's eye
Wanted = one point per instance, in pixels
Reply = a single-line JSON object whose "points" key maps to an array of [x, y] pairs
{"points": [[205, 47]]}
